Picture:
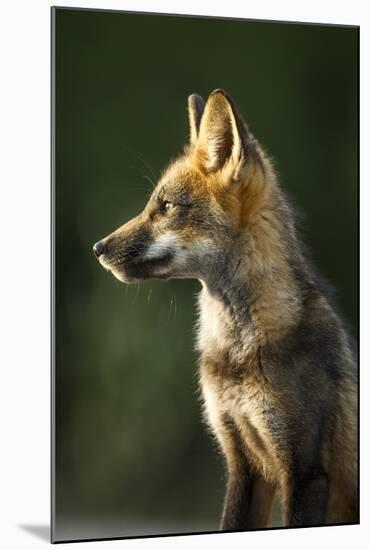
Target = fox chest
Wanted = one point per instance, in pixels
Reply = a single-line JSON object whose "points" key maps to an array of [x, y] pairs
{"points": [[243, 414]]}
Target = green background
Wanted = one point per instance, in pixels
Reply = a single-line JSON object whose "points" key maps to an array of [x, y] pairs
{"points": [[132, 453]]}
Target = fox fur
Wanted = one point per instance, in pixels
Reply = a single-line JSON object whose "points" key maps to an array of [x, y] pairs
{"points": [[277, 370]]}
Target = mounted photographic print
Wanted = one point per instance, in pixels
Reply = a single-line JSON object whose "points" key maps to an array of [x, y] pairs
{"points": [[205, 180]]}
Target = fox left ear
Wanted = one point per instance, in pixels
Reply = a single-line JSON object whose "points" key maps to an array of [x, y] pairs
{"points": [[223, 136], [195, 110]]}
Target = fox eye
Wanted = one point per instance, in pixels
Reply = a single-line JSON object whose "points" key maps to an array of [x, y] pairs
{"points": [[167, 206]]}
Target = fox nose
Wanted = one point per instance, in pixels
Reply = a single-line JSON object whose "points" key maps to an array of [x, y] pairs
{"points": [[98, 248]]}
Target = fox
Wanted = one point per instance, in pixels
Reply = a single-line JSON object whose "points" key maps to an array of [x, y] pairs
{"points": [[277, 366]]}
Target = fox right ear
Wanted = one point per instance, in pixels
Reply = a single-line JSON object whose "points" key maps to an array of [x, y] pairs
{"points": [[223, 137], [196, 107]]}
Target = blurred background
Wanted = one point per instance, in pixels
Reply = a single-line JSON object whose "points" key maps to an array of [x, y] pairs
{"points": [[133, 456]]}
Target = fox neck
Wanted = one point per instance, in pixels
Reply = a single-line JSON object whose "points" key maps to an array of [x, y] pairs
{"points": [[255, 301]]}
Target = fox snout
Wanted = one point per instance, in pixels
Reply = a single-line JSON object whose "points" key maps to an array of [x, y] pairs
{"points": [[132, 253]]}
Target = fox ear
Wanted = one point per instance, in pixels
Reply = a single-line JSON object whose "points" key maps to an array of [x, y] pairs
{"points": [[223, 136], [195, 110]]}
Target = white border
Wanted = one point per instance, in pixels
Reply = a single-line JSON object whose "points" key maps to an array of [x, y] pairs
{"points": [[25, 284]]}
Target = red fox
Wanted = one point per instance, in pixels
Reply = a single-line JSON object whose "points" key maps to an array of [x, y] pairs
{"points": [[277, 368]]}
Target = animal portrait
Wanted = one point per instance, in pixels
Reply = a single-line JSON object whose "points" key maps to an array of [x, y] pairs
{"points": [[205, 191], [277, 368]]}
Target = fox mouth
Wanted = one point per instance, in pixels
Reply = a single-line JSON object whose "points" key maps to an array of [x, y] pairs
{"points": [[138, 268]]}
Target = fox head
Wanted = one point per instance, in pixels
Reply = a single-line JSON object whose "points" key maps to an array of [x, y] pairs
{"points": [[200, 213]]}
